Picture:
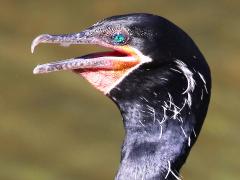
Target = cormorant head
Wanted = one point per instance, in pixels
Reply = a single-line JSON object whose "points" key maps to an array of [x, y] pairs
{"points": [[156, 75], [136, 40]]}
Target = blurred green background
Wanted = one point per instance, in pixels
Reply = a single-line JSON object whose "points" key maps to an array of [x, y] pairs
{"points": [[58, 127]]}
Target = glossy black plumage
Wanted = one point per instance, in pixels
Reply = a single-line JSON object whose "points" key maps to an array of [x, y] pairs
{"points": [[143, 94], [163, 98]]}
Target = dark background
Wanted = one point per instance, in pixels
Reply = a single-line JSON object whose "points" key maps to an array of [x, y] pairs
{"points": [[58, 127]]}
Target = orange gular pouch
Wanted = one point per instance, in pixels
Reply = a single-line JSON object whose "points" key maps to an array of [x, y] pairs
{"points": [[116, 67]]}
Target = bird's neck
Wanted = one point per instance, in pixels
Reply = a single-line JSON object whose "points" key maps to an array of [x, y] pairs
{"points": [[162, 120], [155, 145]]}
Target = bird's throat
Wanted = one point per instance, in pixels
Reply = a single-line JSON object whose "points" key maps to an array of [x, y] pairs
{"points": [[153, 152], [154, 147]]}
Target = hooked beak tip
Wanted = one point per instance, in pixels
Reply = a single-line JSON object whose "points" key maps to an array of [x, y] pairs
{"points": [[32, 48], [39, 39]]}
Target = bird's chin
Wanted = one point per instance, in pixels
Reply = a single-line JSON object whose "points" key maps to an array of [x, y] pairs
{"points": [[116, 66]]}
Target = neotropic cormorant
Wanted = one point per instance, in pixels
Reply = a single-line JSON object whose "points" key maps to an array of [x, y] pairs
{"points": [[159, 80]]}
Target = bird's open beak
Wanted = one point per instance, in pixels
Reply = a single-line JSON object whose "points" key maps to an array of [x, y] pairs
{"points": [[121, 58], [103, 69]]}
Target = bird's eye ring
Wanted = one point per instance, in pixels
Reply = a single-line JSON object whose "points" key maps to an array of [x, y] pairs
{"points": [[119, 38]]}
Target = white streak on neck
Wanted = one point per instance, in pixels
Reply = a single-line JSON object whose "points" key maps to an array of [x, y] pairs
{"points": [[184, 132], [195, 135], [189, 141], [190, 81], [204, 81], [201, 76], [170, 171]]}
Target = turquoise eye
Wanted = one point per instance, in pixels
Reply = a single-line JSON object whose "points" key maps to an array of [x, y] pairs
{"points": [[119, 38]]}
